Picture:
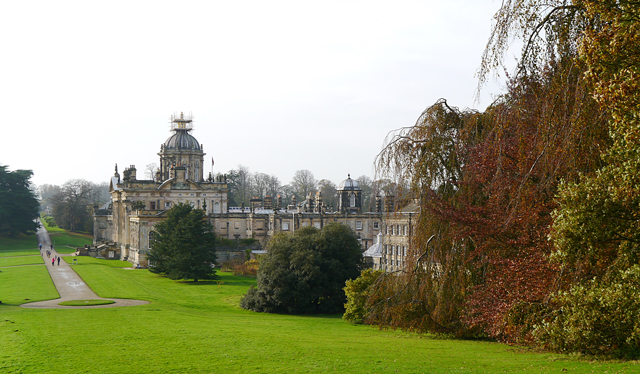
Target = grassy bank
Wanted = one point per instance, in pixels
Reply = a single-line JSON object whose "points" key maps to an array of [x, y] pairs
{"points": [[198, 328]]}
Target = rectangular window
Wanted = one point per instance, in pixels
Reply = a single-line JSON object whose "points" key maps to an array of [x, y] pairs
{"points": [[167, 204], [358, 225], [285, 226], [237, 225], [152, 205], [376, 225]]}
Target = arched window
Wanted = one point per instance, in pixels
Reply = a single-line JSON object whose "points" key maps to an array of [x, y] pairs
{"points": [[152, 238], [352, 200], [216, 207]]}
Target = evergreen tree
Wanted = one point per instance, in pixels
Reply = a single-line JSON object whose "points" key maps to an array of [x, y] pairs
{"points": [[305, 273], [18, 203], [183, 246]]}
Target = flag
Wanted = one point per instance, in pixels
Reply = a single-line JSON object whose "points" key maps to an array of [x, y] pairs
{"points": [[211, 161]]}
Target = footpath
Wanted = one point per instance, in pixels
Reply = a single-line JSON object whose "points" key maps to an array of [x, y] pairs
{"points": [[69, 284]]}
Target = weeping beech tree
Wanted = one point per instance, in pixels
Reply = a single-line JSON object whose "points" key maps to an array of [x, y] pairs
{"points": [[486, 183]]}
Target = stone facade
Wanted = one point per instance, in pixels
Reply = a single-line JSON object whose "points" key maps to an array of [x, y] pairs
{"points": [[123, 228]]}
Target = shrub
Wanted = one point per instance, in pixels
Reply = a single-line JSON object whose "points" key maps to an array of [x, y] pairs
{"points": [[597, 318], [358, 292], [305, 272], [50, 221], [246, 269]]}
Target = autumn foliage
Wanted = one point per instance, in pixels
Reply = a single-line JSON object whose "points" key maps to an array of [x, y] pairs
{"points": [[529, 209]]}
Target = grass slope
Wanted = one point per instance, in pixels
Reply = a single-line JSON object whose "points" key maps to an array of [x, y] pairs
{"points": [[21, 260], [198, 328], [69, 239], [18, 243]]}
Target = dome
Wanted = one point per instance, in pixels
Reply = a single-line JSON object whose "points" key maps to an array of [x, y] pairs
{"points": [[349, 184], [182, 140]]}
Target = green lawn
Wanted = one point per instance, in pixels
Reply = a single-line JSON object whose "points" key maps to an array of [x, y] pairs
{"points": [[198, 328], [21, 285], [21, 260], [70, 239], [17, 243]]}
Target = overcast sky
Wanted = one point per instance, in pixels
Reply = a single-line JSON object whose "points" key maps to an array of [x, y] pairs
{"points": [[277, 86]]}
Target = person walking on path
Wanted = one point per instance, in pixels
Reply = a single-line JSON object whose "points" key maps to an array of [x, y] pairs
{"points": [[58, 260], [40, 246], [53, 261]]}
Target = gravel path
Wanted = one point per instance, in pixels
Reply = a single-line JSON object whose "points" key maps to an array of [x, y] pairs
{"points": [[68, 283]]}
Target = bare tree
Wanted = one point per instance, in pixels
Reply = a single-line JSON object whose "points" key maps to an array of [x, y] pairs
{"points": [[303, 183], [150, 171], [244, 184], [71, 207], [366, 185], [273, 186], [329, 193]]}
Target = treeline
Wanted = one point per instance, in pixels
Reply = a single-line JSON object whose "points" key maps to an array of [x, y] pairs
{"points": [[18, 202], [244, 185], [71, 205], [529, 231]]}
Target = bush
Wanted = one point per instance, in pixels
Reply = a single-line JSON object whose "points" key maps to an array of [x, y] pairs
{"points": [[49, 221], [597, 318], [246, 269], [358, 292], [305, 272]]}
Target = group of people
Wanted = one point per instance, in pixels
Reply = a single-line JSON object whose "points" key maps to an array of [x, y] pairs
{"points": [[48, 252]]}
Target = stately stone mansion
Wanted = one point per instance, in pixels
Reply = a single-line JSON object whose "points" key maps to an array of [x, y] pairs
{"points": [[123, 227]]}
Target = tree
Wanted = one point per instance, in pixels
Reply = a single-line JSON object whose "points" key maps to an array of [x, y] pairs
{"points": [[244, 185], [358, 293], [18, 202], [150, 171], [233, 183], [303, 183], [273, 186], [71, 206], [597, 224], [485, 183], [366, 185], [329, 193], [305, 272], [47, 192], [183, 245]]}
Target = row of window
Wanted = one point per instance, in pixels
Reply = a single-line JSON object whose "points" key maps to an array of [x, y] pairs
{"points": [[395, 250], [396, 230], [153, 205]]}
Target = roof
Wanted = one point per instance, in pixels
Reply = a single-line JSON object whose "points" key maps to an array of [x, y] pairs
{"points": [[181, 139], [376, 249], [349, 185], [114, 183]]}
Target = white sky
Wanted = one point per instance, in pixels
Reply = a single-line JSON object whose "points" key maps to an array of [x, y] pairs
{"points": [[277, 86]]}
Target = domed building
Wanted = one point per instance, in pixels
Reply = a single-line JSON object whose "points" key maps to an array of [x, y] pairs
{"points": [[123, 229], [349, 196], [182, 150]]}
